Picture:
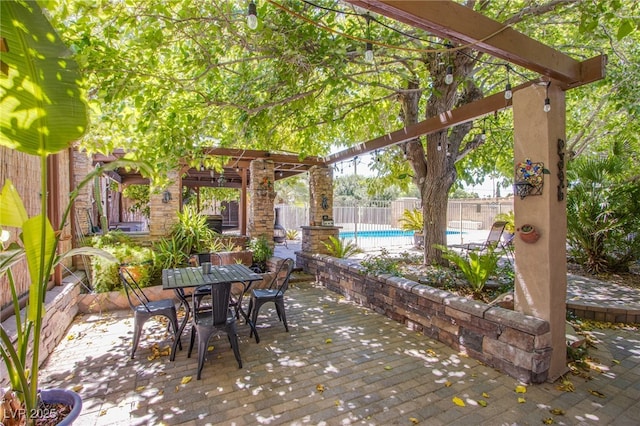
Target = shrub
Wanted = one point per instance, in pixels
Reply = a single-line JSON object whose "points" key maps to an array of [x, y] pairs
{"points": [[412, 220], [476, 266], [261, 251], [341, 248], [381, 264]]}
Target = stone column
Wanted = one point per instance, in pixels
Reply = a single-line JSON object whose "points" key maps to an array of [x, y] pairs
{"points": [[82, 205], [320, 206], [320, 194], [164, 209], [541, 267], [261, 200]]}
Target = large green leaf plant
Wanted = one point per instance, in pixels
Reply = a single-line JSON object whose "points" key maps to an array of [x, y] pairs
{"points": [[42, 112]]}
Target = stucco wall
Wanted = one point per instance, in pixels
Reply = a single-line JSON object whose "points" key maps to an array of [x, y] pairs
{"points": [[516, 344]]}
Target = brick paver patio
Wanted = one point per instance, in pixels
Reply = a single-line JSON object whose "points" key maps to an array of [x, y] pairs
{"points": [[339, 364]]}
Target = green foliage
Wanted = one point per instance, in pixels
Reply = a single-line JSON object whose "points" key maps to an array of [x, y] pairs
{"points": [[262, 251], [139, 194], [292, 234], [171, 253], [341, 248], [193, 231], [104, 273], [509, 219], [379, 264], [412, 220], [603, 212], [476, 266]]}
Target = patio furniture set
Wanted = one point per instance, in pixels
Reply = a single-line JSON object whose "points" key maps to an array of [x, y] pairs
{"points": [[215, 305]]}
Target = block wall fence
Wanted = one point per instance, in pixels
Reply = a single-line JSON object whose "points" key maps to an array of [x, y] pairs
{"points": [[516, 344]]}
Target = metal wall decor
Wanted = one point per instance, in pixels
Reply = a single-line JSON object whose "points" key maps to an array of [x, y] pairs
{"points": [[560, 169], [529, 179]]}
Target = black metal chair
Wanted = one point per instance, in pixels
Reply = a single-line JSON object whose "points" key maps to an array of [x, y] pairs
{"points": [[143, 308], [207, 323], [273, 293]]}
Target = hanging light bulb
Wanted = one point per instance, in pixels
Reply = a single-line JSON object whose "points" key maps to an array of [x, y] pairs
{"points": [[252, 16], [508, 94], [448, 79], [547, 101], [483, 135], [439, 146], [368, 53]]}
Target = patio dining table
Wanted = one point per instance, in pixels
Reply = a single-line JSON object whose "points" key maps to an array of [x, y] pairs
{"points": [[178, 279]]}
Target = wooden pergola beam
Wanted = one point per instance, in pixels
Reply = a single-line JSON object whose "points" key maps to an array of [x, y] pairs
{"points": [[453, 21], [443, 121]]}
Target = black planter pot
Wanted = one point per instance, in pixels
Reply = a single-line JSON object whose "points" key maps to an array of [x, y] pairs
{"points": [[67, 397]]}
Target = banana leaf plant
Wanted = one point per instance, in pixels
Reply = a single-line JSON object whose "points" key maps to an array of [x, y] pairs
{"points": [[43, 112]]}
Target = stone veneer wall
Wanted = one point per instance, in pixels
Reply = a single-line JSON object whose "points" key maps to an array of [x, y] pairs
{"points": [[314, 237], [164, 215], [320, 194], [262, 195], [516, 344]]}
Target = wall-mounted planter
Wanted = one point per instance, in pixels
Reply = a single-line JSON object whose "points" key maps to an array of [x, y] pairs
{"points": [[528, 234]]}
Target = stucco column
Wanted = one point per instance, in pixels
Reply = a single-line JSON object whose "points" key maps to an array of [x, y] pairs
{"points": [[261, 200], [541, 267], [164, 208]]}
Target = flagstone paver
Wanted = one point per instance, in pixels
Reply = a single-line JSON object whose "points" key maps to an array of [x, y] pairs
{"points": [[339, 364]]}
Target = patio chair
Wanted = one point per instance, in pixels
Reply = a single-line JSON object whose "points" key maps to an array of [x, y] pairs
{"points": [[493, 239], [219, 318], [273, 293], [143, 308]]}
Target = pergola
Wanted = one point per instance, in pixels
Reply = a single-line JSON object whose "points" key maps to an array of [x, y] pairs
{"points": [[541, 267]]}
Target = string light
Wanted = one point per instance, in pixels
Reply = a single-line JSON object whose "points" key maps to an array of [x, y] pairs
{"points": [[439, 146], [547, 101], [508, 94], [252, 16], [368, 53], [448, 79]]}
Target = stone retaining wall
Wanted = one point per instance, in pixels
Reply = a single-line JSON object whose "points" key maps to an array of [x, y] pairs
{"points": [[514, 343]]}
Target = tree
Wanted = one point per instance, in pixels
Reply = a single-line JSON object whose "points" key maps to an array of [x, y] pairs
{"points": [[169, 79]]}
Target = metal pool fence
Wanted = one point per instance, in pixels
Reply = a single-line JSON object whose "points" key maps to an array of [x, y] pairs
{"points": [[375, 223]]}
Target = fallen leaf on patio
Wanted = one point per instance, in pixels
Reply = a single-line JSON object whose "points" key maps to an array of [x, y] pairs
{"points": [[325, 306], [596, 393], [337, 403], [521, 400], [485, 395], [77, 388], [139, 388], [482, 402], [431, 352], [566, 386], [548, 421], [388, 367], [71, 337], [185, 380], [69, 377], [557, 412], [458, 401], [320, 388], [210, 348], [615, 361], [332, 312], [448, 383], [160, 392], [414, 420], [177, 388], [328, 341], [102, 413], [521, 389]]}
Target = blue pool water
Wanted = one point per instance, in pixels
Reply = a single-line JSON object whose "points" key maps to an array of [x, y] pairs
{"points": [[385, 233]]}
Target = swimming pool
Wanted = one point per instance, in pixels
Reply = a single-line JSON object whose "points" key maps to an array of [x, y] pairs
{"points": [[385, 233]]}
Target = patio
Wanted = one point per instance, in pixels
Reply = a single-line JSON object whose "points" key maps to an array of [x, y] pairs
{"points": [[371, 371]]}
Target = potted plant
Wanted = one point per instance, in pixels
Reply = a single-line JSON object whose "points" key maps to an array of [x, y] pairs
{"points": [[35, 57], [413, 220], [528, 233], [262, 251]]}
